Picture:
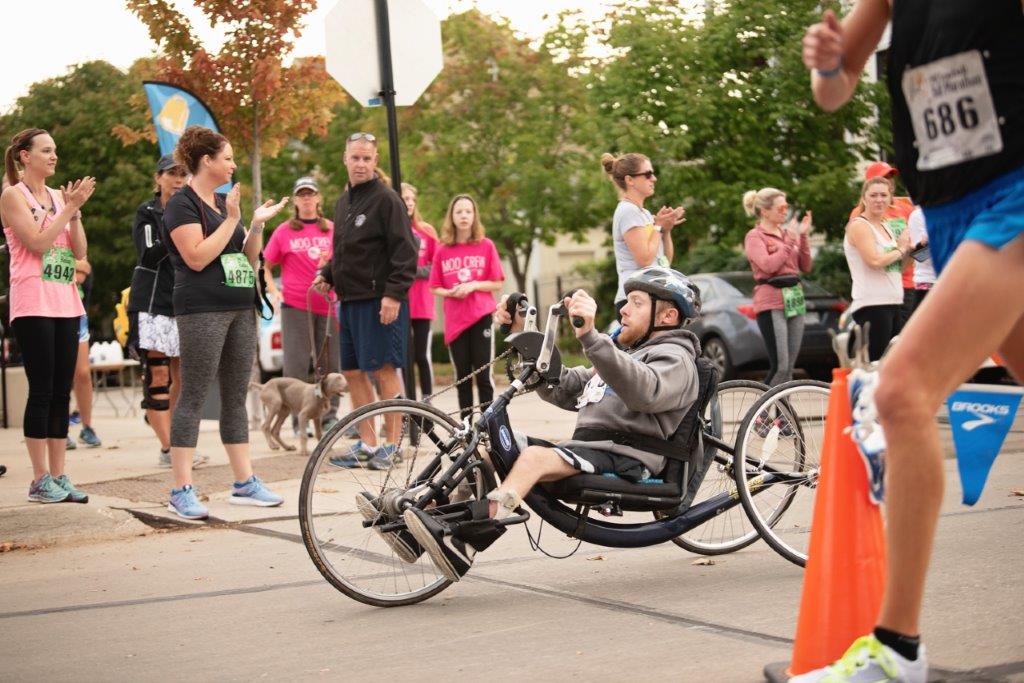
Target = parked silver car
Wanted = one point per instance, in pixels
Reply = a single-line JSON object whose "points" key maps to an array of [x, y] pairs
{"points": [[729, 334]]}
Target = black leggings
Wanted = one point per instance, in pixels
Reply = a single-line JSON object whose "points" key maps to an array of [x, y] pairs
{"points": [[419, 359], [885, 323], [471, 350], [49, 348]]}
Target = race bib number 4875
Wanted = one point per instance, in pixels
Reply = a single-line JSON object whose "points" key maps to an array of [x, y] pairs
{"points": [[952, 111]]}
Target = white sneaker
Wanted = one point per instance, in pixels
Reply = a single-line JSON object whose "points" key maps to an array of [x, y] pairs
{"points": [[197, 459], [869, 661]]}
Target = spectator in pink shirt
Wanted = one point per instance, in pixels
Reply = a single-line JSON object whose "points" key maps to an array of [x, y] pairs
{"points": [[45, 236], [301, 245], [778, 252], [421, 300], [467, 272]]}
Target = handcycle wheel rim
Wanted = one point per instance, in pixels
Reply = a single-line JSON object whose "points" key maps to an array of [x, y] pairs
{"points": [[807, 424], [410, 583], [736, 531]]}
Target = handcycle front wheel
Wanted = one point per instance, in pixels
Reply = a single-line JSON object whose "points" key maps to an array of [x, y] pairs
{"points": [[353, 557], [731, 530], [780, 443]]}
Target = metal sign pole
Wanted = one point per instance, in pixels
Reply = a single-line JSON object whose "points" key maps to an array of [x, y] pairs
{"points": [[387, 90]]}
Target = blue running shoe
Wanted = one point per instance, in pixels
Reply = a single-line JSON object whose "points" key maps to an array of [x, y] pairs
{"points": [[383, 458], [89, 438], [74, 495], [185, 503], [253, 492], [75, 418], [46, 490], [69, 444], [357, 453], [866, 431]]}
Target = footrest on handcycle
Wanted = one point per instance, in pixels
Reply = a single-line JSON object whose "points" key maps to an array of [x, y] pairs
{"points": [[480, 531]]}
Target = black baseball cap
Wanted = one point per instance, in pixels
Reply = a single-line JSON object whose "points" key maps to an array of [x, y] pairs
{"points": [[166, 163]]}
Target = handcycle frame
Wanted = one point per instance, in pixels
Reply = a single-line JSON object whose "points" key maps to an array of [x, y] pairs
{"points": [[541, 361]]}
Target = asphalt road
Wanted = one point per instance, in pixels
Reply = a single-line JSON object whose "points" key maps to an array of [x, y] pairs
{"points": [[242, 601]]}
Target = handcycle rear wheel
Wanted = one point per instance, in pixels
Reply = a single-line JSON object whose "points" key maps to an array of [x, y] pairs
{"points": [[731, 530], [354, 558], [782, 434]]}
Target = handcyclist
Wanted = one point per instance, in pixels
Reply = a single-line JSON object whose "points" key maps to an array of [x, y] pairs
{"points": [[640, 391], [956, 79]]}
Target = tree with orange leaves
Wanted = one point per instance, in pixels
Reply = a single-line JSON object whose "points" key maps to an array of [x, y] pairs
{"points": [[259, 102]]}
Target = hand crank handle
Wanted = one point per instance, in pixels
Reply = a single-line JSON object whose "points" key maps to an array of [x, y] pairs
{"points": [[577, 321]]}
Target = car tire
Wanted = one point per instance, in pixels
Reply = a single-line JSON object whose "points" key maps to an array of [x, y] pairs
{"points": [[715, 350]]}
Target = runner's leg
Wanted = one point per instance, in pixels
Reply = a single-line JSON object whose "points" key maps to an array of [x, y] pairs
{"points": [[974, 307]]}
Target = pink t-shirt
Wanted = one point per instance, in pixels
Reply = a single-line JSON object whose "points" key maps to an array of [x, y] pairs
{"points": [[299, 253], [421, 301], [465, 263], [30, 295]]}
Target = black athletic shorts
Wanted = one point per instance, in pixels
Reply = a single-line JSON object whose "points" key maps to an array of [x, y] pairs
{"points": [[594, 461]]}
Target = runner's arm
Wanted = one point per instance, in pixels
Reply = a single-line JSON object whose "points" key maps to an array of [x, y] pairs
{"points": [[844, 45]]}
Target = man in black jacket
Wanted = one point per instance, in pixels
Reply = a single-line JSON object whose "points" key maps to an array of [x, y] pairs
{"points": [[373, 266]]}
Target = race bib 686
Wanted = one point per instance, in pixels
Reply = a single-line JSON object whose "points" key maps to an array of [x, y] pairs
{"points": [[951, 110]]}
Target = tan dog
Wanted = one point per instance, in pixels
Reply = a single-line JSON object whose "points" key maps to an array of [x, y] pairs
{"points": [[283, 396]]}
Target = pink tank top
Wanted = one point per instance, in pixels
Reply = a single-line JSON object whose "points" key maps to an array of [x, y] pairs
{"points": [[30, 295]]}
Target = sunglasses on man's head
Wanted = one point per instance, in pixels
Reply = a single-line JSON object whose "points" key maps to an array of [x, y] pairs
{"points": [[645, 174], [369, 137]]}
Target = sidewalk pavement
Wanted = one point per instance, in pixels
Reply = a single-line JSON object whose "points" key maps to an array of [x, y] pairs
{"points": [[125, 484]]}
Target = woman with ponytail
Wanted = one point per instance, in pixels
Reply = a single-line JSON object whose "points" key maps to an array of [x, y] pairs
{"points": [[640, 239], [778, 252], [44, 232]]}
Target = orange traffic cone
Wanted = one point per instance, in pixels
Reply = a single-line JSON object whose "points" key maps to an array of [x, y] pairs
{"points": [[845, 572]]}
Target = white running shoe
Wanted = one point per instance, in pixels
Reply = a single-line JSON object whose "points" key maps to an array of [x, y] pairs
{"points": [[869, 661], [866, 431]]}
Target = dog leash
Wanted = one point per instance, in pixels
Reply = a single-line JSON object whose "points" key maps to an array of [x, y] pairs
{"points": [[318, 358]]}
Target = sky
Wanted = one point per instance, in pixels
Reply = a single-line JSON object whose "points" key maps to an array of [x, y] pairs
{"points": [[42, 38]]}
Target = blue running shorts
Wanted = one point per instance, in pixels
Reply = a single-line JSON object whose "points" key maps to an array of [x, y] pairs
{"points": [[993, 215]]}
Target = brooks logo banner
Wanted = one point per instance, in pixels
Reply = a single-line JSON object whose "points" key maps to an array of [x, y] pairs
{"points": [[981, 416]]}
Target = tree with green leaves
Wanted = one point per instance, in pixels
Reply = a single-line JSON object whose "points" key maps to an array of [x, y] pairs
{"points": [[507, 123], [260, 103], [721, 102], [79, 110]]}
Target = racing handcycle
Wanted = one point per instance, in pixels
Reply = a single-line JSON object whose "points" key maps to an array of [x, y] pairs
{"points": [[703, 500]]}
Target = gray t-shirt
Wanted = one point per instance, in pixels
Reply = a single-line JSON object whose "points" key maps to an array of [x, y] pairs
{"points": [[629, 216]]}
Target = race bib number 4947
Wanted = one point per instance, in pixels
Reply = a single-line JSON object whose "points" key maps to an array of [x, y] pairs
{"points": [[952, 111]]}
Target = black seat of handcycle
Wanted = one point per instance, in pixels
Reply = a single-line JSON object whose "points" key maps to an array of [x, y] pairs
{"points": [[597, 489]]}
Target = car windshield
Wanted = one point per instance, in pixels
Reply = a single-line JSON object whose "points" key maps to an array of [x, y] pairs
{"points": [[743, 283]]}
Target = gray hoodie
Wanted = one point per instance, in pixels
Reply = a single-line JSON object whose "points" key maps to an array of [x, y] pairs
{"points": [[646, 390]]}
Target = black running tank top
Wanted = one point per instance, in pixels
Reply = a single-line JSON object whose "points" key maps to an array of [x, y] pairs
{"points": [[956, 79]]}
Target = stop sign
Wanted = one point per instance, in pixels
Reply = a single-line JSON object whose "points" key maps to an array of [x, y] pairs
{"points": [[353, 52]]}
